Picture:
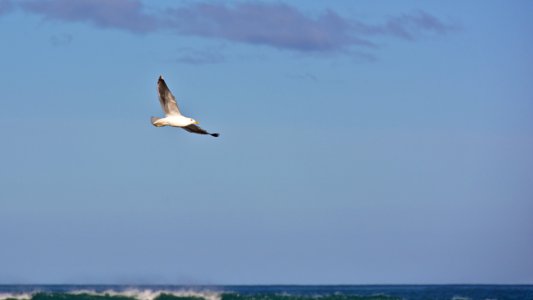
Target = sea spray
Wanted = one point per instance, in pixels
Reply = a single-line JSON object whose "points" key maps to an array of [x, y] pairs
{"points": [[266, 292], [128, 294]]}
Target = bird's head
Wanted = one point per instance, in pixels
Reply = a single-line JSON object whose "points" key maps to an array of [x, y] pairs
{"points": [[193, 121]]}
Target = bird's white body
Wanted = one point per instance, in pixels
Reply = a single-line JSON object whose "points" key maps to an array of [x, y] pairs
{"points": [[175, 121]]}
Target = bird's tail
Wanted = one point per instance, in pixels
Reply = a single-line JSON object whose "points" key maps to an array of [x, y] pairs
{"points": [[154, 119]]}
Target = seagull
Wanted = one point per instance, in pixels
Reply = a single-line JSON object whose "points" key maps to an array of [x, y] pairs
{"points": [[173, 116]]}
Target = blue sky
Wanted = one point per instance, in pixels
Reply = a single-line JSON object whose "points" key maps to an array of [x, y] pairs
{"points": [[361, 142]]}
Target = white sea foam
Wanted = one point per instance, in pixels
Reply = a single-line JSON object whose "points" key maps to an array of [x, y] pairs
{"points": [[460, 298], [149, 294], [19, 296], [139, 294]]}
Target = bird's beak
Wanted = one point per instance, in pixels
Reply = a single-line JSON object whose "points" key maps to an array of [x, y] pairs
{"points": [[196, 122]]}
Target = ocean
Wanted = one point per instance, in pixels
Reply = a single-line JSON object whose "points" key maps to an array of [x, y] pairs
{"points": [[266, 292]]}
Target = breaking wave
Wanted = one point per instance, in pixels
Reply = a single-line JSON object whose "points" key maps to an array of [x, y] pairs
{"points": [[128, 294], [149, 294], [346, 292]]}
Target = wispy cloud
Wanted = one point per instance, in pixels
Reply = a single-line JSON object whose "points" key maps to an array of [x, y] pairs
{"points": [[277, 25], [200, 56], [271, 24], [120, 14], [5, 6], [411, 26], [284, 27]]}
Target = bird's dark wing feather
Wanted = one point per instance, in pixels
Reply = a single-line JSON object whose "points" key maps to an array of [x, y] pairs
{"points": [[167, 100], [196, 129]]}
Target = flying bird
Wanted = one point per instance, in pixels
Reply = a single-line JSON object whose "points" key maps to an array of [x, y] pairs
{"points": [[173, 116]]}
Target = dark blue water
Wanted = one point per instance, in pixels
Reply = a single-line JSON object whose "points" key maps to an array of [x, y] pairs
{"points": [[273, 292]]}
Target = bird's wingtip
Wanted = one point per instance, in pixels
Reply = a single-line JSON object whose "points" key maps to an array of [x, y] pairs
{"points": [[161, 77], [215, 134]]}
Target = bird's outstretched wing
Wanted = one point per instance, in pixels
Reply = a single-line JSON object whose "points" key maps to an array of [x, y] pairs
{"points": [[167, 100], [196, 129]]}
